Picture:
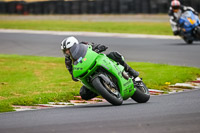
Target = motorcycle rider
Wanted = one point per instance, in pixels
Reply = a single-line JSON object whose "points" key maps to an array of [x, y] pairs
{"points": [[175, 12], [73, 49]]}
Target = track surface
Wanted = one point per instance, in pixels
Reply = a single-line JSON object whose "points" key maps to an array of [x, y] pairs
{"points": [[174, 113], [168, 51]]}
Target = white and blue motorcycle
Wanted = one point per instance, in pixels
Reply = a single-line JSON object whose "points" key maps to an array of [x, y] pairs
{"points": [[190, 27]]}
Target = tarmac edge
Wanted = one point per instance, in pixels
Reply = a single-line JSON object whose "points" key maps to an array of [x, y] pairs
{"points": [[95, 34]]}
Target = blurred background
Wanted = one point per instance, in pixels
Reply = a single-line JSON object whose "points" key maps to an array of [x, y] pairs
{"points": [[26, 7]]}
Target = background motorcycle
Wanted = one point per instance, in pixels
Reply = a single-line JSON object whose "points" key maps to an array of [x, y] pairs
{"points": [[190, 27]]}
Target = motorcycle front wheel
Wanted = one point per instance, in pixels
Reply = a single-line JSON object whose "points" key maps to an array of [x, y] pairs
{"points": [[112, 95], [189, 41], [141, 94]]}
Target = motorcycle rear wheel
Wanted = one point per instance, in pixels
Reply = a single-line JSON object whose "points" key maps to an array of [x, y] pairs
{"points": [[141, 94], [111, 95]]}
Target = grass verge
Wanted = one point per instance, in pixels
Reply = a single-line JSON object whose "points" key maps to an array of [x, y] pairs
{"points": [[29, 80], [155, 28]]}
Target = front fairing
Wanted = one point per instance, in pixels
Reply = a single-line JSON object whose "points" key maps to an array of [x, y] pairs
{"points": [[188, 21], [84, 63], [126, 86]]}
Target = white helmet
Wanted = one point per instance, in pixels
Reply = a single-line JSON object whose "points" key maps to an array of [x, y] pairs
{"points": [[68, 43]]}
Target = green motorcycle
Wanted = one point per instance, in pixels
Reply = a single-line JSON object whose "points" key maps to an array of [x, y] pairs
{"points": [[108, 78]]}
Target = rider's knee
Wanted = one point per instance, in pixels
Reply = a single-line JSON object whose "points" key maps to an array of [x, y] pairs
{"points": [[86, 94], [176, 32]]}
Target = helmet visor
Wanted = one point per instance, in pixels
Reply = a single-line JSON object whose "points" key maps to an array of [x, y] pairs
{"points": [[66, 52], [175, 7]]}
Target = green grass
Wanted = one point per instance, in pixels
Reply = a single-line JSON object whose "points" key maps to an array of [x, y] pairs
{"points": [[156, 28], [156, 75], [29, 80]]}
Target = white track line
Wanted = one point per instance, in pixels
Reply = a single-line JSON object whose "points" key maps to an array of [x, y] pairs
{"points": [[96, 34]]}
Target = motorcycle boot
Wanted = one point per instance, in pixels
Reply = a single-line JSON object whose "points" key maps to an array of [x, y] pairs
{"points": [[130, 70]]}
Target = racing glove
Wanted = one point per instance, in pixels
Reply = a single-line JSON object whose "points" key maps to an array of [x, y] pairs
{"points": [[68, 63], [96, 47], [99, 48]]}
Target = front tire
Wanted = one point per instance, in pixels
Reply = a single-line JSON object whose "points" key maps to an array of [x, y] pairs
{"points": [[141, 94], [114, 98], [189, 41]]}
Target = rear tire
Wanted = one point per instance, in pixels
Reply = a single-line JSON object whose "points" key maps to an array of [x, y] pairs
{"points": [[198, 32], [114, 99], [141, 94]]}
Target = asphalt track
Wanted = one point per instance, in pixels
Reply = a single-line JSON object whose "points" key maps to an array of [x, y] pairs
{"points": [[167, 51], [174, 113]]}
